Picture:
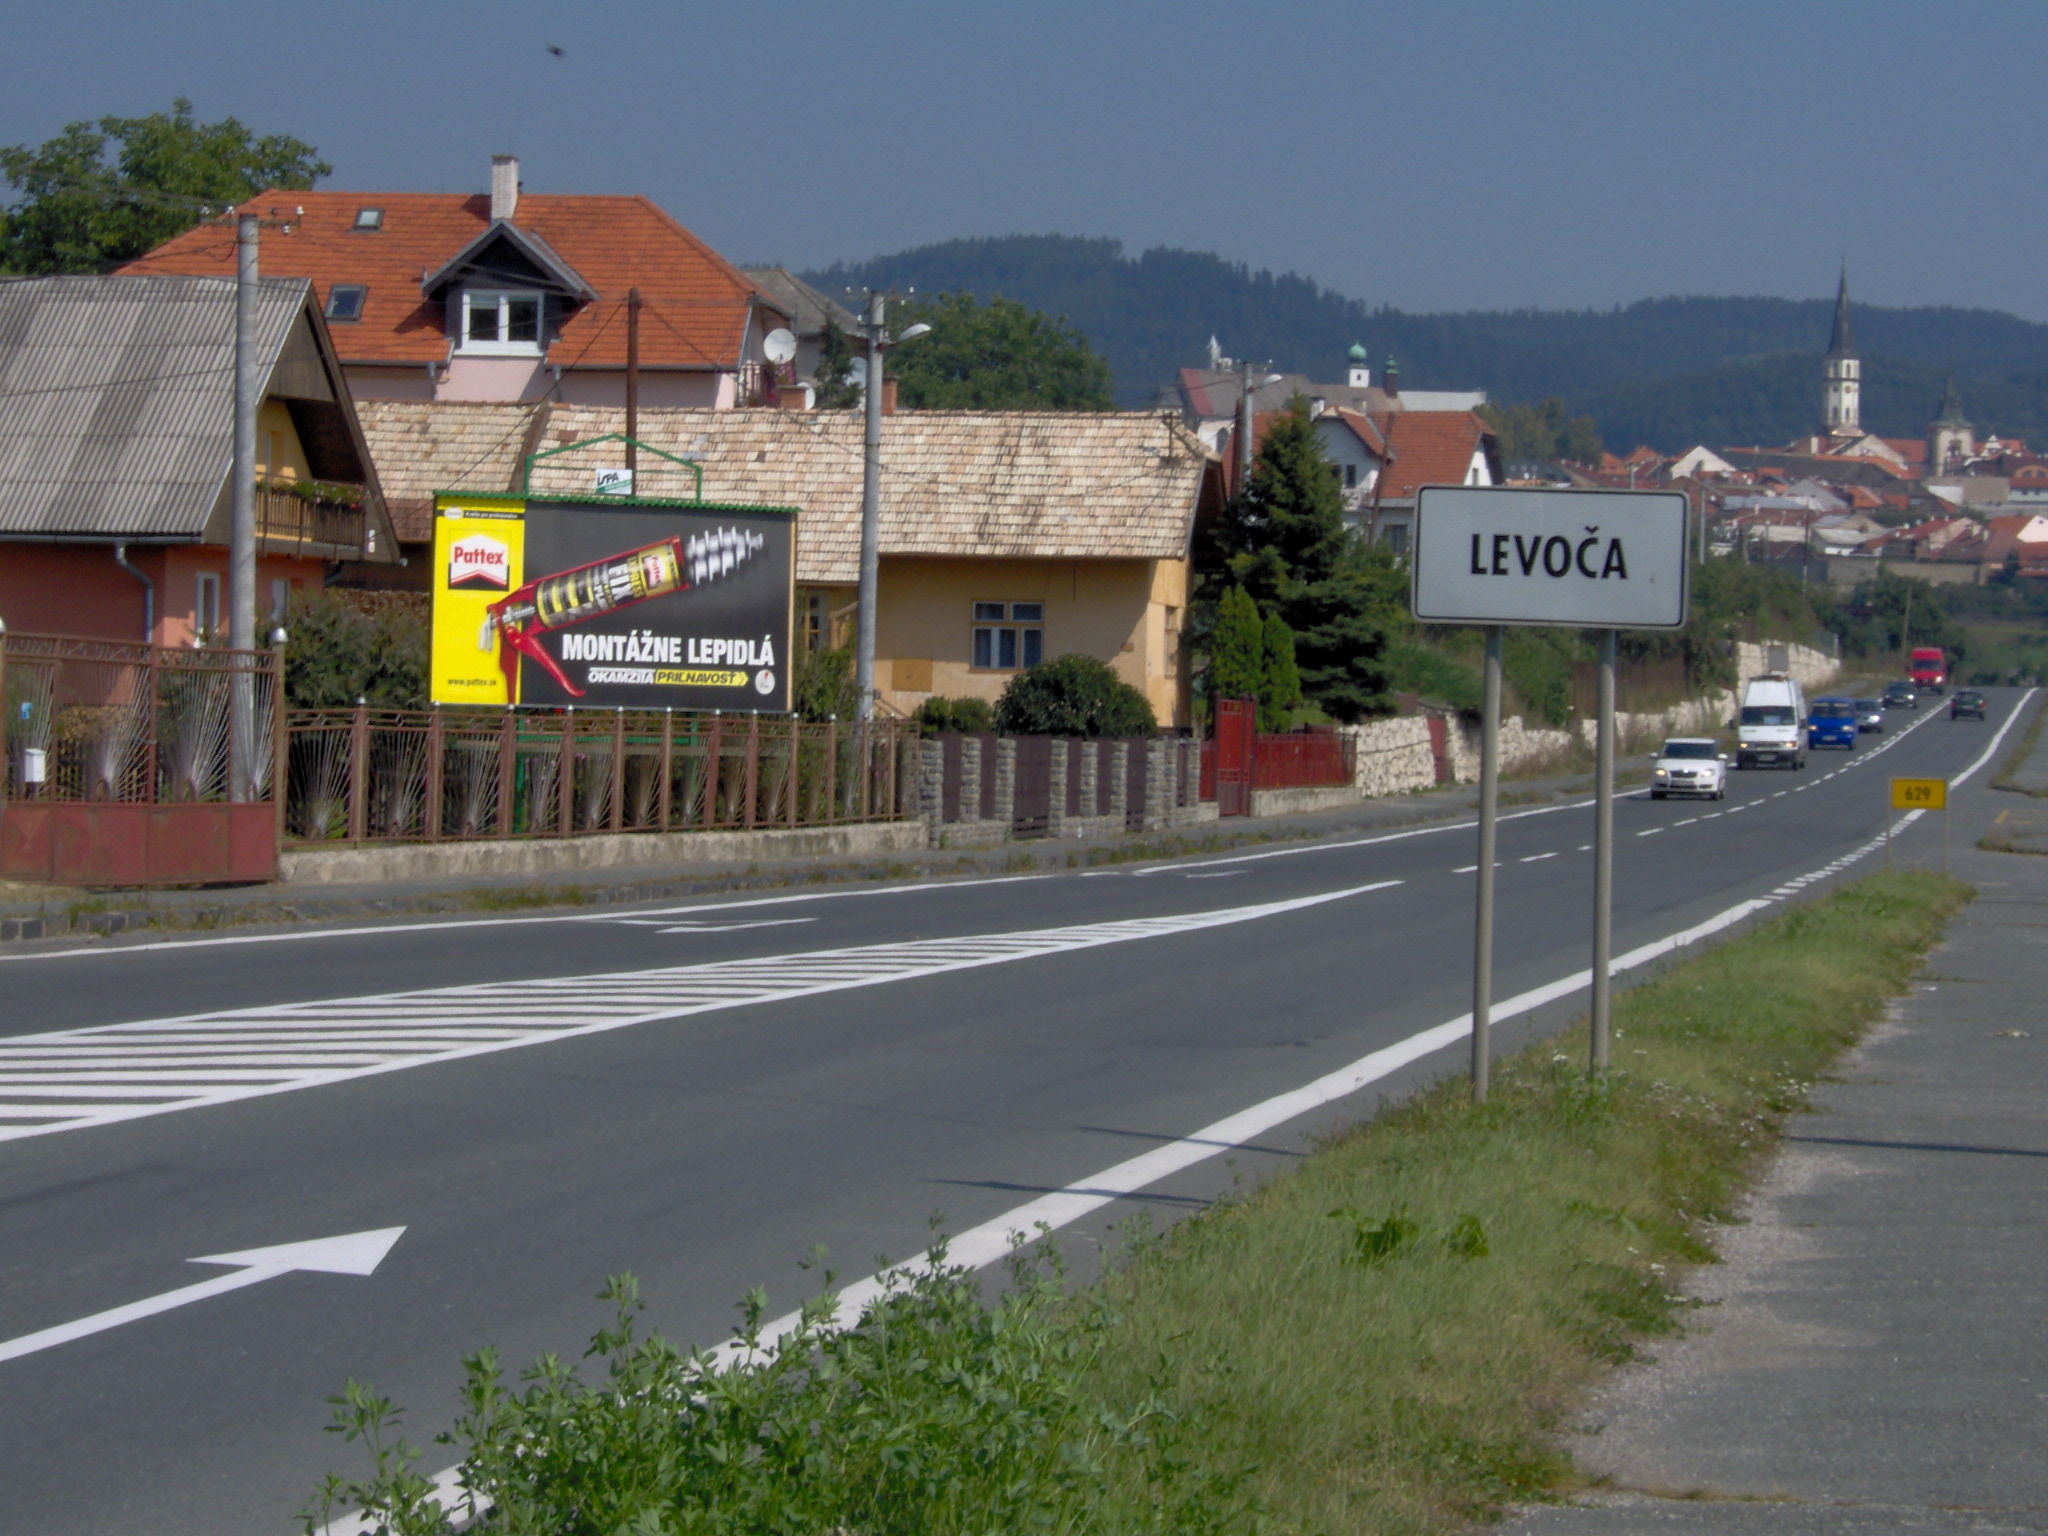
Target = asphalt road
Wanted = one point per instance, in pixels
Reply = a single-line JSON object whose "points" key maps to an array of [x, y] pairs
{"points": [[700, 1094]]}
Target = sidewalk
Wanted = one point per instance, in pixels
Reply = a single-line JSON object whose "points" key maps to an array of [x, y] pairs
{"points": [[1872, 1354]]}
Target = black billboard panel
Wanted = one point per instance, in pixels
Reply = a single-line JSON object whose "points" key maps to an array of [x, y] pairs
{"points": [[653, 607]]}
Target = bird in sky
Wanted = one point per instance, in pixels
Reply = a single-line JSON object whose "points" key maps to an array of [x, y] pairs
{"points": [[558, 51]]}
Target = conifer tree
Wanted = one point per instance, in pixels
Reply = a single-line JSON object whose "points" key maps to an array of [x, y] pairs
{"points": [[1280, 681], [1237, 650]]}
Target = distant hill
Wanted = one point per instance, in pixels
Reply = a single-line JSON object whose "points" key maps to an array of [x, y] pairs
{"points": [[1668, 372]]}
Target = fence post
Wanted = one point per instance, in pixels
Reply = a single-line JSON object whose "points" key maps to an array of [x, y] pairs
{"points": [[1006, 784], [832, 772], [865, 752], [1057, 762], [753, 779], [358, 770], [436, 736], [789, 774], [664, 796], [280, 744], [565, 775], [618, 821], [508, 770], [712, 754]]}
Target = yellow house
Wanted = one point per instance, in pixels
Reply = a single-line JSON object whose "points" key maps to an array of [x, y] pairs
{"points": [[1006, 536]]}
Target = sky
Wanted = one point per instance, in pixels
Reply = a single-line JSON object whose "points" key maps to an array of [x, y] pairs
{"points": [[1458, 154]]}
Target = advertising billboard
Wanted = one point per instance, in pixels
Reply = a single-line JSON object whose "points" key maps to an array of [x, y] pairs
{"points": [[608, 604]]}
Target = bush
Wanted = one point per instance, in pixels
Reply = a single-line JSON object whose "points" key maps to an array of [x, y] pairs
{"points": [[971, 717], [824, 686], [345, 646], [1236, 659], [1280, 684], [1073, 696]]}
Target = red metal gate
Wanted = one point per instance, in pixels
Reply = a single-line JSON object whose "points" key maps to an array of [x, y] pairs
{"points": [[1237, 727]]}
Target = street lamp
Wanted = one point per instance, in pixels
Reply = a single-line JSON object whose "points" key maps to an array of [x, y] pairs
{"points": [[871, 501]]}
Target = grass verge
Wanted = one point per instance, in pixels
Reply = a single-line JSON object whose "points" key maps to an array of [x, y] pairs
{"points": [[1384, 1340], [2008, 771]]}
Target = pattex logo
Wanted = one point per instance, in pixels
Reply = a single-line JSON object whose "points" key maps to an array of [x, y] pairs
{"points": [[479, 561]]}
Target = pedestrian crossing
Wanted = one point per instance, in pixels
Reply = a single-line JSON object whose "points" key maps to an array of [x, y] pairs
{"points": [[71, 1079]]}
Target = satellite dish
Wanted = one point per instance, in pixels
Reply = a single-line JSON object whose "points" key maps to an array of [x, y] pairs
{"points": [[778, 346]]}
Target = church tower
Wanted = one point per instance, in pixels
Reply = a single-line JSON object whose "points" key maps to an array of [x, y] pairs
{"points": [[1842, 393], [1950, 439]]}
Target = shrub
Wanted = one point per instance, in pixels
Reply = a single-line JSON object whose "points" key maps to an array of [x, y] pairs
{"points": [[1073, 696], [345, 646], [1280, 678], [824, 685], [1236, 649], [972, 717]]}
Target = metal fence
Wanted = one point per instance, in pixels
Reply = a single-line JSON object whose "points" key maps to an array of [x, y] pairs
{"points": [[1313, 759], [91, 721], [381, 776]]}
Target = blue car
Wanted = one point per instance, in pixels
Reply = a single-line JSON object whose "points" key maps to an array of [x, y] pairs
{"points": [[1831, 722]]}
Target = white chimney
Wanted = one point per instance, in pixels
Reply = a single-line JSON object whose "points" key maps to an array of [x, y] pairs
{"points": [[504, 186]]}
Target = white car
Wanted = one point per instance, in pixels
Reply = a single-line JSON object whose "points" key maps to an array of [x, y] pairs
{"points": [[1690, 765]]}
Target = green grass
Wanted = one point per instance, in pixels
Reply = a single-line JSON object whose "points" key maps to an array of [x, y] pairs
{"points": [[1384, 1340], [1424, 1391], [2008, 771]]}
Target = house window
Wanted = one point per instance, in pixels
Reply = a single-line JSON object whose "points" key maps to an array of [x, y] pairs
{"points": [[500, 322], [1350, 477], [345, 301], [1008, 636], [369, 218], [206, 605]]}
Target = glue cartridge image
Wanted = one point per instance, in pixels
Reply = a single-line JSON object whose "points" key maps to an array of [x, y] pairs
{"points": [[585, 592]]}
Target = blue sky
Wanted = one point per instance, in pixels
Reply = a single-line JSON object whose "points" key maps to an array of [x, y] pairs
{"points": [[1444, 155]]}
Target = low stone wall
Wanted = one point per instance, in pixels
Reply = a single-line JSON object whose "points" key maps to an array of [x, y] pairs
{"points": [[1300, 801], [494, 859]]}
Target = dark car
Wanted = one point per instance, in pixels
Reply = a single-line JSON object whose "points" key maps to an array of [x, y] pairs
{"points": [[1869, 715], [1901, 696], [1967, 701]]}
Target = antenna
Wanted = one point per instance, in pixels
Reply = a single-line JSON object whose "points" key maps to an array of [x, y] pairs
{"points": [[778, 346]]}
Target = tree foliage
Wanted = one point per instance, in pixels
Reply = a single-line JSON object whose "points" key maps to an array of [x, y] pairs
{"points": [[824, 686], [101, 193], [1073, 695], [836, 389], [345, 646], [1543, 431], [971, 717], [1285, 541], [1280, 677], [997, 356], [1236, 648]]}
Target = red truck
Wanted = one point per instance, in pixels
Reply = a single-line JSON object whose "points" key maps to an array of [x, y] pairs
{"points": [[1929, 669]]}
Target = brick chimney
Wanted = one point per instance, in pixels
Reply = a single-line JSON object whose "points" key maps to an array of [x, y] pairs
{"points": [[504, 186], [888, 395]]}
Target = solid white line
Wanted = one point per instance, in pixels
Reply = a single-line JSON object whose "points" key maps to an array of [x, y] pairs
{"points": [[1985, 756], [428, 925]]}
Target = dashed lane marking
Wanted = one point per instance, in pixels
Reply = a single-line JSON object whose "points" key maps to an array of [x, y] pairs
{"points": [[66, 1080]]}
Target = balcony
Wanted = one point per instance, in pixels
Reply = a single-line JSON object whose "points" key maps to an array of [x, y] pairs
{"points": [[315, 519]]}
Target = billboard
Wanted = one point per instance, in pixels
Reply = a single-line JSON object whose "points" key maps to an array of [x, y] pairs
{"points": [[607, 604]]}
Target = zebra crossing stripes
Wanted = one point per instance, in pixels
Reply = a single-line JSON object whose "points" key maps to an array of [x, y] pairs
{"points": [[70, 1079]]}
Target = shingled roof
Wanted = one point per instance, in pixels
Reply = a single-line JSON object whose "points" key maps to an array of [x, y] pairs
{"points": [[694, 304], [1047, 485], [422, 447], [117, 404]]}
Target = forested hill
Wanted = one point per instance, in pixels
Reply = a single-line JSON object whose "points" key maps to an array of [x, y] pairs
{"points": [[1668, 372]]}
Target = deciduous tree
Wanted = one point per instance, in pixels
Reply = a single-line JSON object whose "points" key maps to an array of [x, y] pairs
{"points": [[998, 356]]}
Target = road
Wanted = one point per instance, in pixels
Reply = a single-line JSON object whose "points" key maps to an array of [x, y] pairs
{"points": [[700, 1093]]}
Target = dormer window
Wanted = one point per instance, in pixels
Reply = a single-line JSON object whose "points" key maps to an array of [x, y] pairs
{"points": [[369, 218], [500, 320], [345, 301]]}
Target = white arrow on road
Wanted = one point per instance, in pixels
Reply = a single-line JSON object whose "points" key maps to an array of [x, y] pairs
{"points": [[352, 1253]]}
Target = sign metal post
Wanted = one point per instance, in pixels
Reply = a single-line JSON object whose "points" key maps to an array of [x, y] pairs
{"points": [[1606, 560]]}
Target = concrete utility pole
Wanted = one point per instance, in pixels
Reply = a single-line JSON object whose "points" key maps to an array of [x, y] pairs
{"points": [[1244, 427], [242, 527], [870, 512]]}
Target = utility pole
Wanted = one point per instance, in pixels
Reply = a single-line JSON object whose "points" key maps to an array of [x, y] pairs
{"points": [[1244, 426], [870, 513], [633, 381], [242, 525]]}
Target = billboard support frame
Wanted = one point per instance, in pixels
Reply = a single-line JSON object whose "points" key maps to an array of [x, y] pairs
{"points": [[526, 479]]}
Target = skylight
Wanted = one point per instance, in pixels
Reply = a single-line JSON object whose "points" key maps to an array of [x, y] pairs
{"points": [[345, 301], [369, 218]]}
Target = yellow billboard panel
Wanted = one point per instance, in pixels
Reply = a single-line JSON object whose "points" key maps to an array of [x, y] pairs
{"points": [[479, 556], [1919, 794]]}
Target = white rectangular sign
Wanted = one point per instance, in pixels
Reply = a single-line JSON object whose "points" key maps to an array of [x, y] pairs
{"points": [[1504, 555], [614, 482]]}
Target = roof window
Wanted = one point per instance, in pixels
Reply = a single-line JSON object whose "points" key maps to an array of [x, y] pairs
{"points": [[369, 218], [345, 301]]}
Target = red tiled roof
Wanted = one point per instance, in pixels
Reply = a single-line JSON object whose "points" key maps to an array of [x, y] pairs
{"points": [[694, 305], [1430, 448], [1912, 449]]}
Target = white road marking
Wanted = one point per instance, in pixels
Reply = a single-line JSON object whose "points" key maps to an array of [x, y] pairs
{"points": [[428, 925], [1985, 756], [765, 922], [1225, 874], [354, 1253], [1537, 858], [171, 1063], [1685, 823], [1649, 832]]}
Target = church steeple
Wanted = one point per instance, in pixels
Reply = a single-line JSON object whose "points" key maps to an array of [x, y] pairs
{"points": [[1842, 372]]}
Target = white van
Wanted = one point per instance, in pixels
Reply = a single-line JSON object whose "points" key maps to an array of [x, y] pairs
{"points": [[1772, 725]]}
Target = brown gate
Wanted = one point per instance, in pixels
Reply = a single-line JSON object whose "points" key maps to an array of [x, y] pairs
{"points": [[1032, 815], [1237, 728]]}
